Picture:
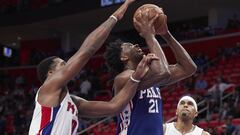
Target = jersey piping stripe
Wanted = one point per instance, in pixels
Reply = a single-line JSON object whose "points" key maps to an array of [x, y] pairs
{"points": [[48, 120]]}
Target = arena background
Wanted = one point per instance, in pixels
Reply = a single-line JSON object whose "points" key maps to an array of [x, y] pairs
{"points": [[31, 30]]}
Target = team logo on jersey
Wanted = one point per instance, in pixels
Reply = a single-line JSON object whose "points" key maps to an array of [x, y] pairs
{"points": [[150, 93]]}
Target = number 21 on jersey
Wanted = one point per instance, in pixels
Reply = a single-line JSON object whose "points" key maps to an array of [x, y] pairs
{"points": [[153, 108]]}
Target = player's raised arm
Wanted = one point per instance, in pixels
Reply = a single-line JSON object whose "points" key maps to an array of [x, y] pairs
{"points": [[90, 45], [158, 73], [185, 66]]}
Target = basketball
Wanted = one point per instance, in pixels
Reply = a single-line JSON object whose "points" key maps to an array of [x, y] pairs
{"points": [[152, 11]]}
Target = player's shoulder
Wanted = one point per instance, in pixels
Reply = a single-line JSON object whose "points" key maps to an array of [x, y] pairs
{"points": [[205, 133], [123, 75], [121, 79], [169, 124]]}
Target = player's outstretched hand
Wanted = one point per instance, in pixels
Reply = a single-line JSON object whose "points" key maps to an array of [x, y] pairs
{"points": [[122, 9], [143, 66]]}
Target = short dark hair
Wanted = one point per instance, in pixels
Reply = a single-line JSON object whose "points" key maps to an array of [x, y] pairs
{"points": [[113, 57], [44, 66]]}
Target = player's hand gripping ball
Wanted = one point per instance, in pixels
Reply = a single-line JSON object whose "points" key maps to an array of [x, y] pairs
{"points": [[152, 11]]}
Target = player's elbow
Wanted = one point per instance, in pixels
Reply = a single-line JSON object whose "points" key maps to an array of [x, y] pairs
{"points": [[115, 109], [164, 76], [192, 69], [189, 68]]}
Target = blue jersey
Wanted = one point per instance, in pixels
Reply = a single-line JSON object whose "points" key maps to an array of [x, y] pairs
{"points": [[143, 114]]}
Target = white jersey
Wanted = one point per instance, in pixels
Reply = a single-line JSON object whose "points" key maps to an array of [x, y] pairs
{"points": [[171, 130], [60, 120]]}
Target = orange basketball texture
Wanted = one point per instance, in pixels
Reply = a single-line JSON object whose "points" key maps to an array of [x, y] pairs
{"points": [[152, 11]]}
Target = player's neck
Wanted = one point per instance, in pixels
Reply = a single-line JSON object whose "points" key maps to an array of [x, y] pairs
{"points": [[184, 126], [131, 66]]}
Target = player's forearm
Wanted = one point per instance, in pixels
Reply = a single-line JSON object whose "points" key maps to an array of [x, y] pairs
{"points": [[181, 55], [113, 107], [161, 65], [91, 44], [95, 39], [121, 10], [120, 101]]}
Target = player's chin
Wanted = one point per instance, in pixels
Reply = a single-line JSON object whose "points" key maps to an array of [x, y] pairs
{"points": [[185, 117], [185, 113], [139, 57]]}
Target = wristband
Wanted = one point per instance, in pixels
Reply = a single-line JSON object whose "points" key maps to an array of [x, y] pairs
{"points": [[114, 18], [134, 80]]}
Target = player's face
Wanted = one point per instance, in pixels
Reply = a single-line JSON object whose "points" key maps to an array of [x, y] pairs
{"points": [[58, 64], [132, 52], [186, 110]]}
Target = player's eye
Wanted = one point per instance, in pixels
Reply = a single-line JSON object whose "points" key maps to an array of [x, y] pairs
{"points": [[190, 103], [182, 103]]}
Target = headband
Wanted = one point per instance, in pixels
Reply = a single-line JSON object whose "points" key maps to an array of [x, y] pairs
{"points": [[190, 99]]}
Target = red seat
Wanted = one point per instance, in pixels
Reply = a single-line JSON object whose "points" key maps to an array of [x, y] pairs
{"points": [[167, 106], [171, 99], [229, 66], [165, 94], [236, 121], [214, 123], [203, 124], [175, 94], [215, 116], [231, 89]]}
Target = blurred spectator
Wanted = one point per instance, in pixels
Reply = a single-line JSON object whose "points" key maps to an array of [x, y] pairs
{"points": [[20, 80], [10, 124], [218, 88], [85, 86], [229, 126], [236, 111], [224, 111], [2, 124], [223, 130], [94, 79], [189, 83], [200, 60], [83, 123], [236, 131], [201, 83]]}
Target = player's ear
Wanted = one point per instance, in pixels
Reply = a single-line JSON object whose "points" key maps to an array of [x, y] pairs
{"points": [[196, 114], [49, 72]]}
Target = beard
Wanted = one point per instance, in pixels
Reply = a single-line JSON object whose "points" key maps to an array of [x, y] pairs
{"points": [[185, 116], [137, 57]]}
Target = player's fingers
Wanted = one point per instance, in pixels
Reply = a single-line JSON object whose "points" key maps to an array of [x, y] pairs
{"points": [[165, 18], [153, 19], [145, 15], [144, 61], [151, 57], [136, 22]]}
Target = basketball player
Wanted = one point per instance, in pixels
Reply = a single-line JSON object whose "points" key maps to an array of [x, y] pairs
{"points": [[186, 112], [56, 111], [143, 114]]}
